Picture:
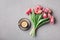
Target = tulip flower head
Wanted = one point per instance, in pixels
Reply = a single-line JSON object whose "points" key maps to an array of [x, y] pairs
{"points": [[38, 9], [46, 10], [52, 20], [45, 15], [29, 11]]}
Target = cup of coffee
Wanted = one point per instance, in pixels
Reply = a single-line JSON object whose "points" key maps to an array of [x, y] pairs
{"points": [[24, 23]]}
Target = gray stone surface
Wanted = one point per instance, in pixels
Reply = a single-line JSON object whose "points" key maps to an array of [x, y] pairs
{"points": [[12, 10]]}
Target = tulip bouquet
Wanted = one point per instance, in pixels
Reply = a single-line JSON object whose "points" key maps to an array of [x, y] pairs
{"points": [[39, 16]]}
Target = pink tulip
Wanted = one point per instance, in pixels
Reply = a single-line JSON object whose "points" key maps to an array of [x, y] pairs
{"points": [[29, 11], [49, 10], [52, 20], [38, 9], [45, 15], [46, 10], [49, 15]]}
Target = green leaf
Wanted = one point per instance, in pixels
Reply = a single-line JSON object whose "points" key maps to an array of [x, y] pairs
{"points": [[33, 18], [36, 18], [41, 21], [40, 17]]}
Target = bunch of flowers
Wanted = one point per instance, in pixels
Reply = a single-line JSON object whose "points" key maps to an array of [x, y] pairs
{"points": [[39, 16]]}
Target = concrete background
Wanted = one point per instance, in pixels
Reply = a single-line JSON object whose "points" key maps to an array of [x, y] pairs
{"points": [[12, 10]]}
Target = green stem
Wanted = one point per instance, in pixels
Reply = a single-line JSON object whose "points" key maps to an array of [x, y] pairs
{"points": [[33, 32]]}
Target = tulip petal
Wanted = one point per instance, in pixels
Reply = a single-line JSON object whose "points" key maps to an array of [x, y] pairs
{"points": [[52, 20], [38, 9], [44, 15], [29, 11]]}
